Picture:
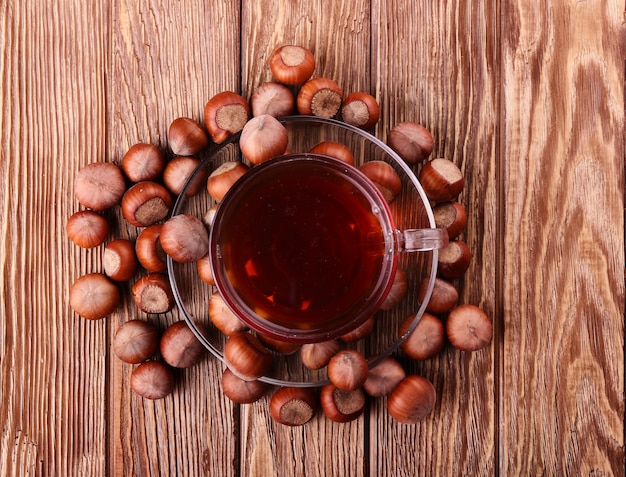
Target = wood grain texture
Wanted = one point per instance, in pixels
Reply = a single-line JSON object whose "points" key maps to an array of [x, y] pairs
{"points": [[527, 98], [167, 60], [446, 78], [338, 34], [563, 110], [52, 119]]}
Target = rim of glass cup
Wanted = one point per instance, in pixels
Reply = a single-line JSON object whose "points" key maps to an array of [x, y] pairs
{"points": [[373, 360]]}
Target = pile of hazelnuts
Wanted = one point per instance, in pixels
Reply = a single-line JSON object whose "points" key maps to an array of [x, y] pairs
{"points": [[145, 184]]}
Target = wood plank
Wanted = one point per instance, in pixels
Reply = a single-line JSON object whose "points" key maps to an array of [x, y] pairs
{"points": [[168, 58], [563, 146], [437, 64], [52, 119], [82, 81], [338, 34]]}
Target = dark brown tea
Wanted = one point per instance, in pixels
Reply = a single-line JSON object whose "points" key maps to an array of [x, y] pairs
{"points": [[301, 244]]}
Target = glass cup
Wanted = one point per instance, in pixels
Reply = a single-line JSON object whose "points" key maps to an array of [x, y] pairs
{"points": [[304, 248], [410, 209]]}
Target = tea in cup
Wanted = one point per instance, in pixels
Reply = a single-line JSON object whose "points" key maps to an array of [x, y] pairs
{"points": [[304, 248]]}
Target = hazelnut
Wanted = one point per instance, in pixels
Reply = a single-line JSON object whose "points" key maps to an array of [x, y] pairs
{"points": [[334, 149], [223, 177], [397, 291], [119, 261], [186, 137], [184, 238], [347, 369], [441, 180], [180, 347], [443, 298], [209, 215], [384, 177], [152, 293], [146, 203], [148, 249], [94, 296], [205, 272], [225, 114], [274, 99], [240, 391], [143, 162], [317, 355], [293, 406], [222, 317], [468, 328], [152, 380], [451, 216], [319, 97], [262, 138], [136, 341], [179, 170], [292, 65], [342, 406], [99, 185], [359, 332], [246, 357], [279, 346], [454, 259], [383, 378], [87, 229], [412, 400], [426, 340], [411, 141], [361, 110]]}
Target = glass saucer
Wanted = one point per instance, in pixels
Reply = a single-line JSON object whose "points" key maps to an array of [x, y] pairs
{"points": [[411, 209]]}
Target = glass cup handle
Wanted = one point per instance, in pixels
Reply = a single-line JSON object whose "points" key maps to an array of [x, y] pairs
{"points": [[422, 240]]}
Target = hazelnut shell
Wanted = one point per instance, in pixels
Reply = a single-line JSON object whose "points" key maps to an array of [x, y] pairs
{"points": [[443, 298], [342, 406], [293, 406], [411, 141], [186, 137], [412, 400], [347, 369], [246, 356], [360, 109], [441, 180], [143, 162], [468, 328], [240, 391], [426, 340], [146, 203], [87, 228], [454, 260], [383, 378], [99, 185], [136, 341], [384, 177], [180, 347], [319, 97], [184, 238], [292, 64], [225, 114], [153, 294], [317, 355], [334, 149], [119, 260], [452, 216], [94, 296], [152, 380]]}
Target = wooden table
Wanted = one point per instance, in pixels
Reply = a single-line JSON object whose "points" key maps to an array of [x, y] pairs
{"points": [[526, 97]]}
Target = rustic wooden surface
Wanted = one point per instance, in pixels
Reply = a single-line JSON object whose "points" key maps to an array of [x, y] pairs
{"points": [[527, 98]]}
